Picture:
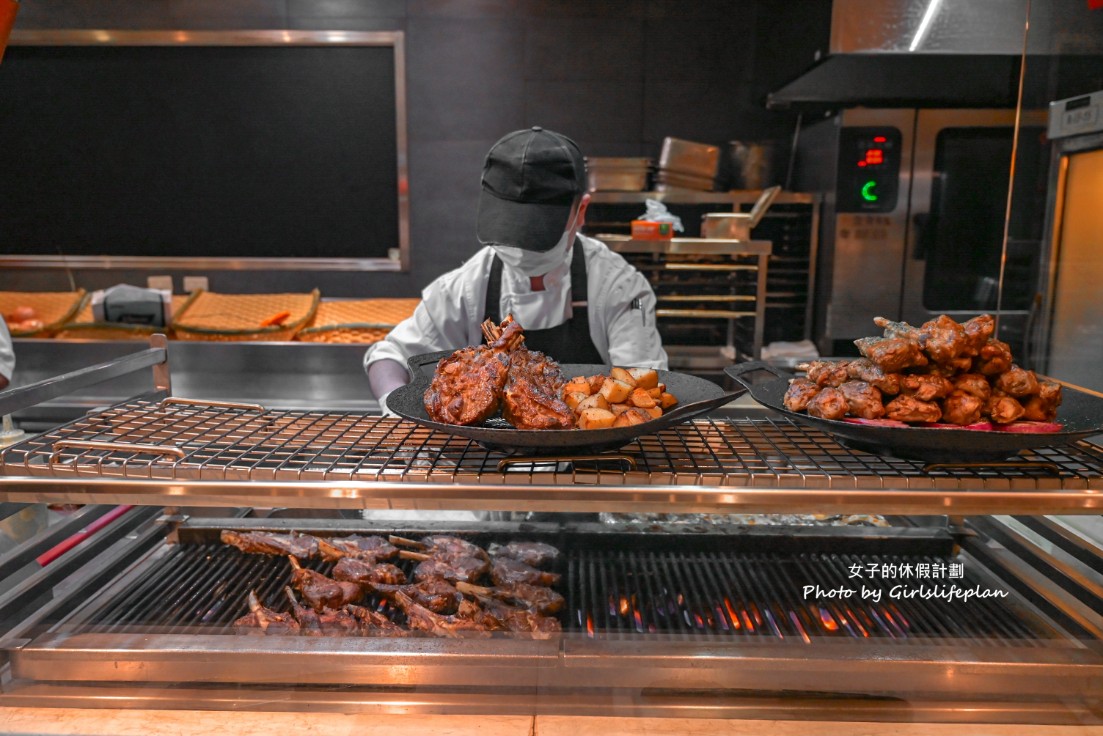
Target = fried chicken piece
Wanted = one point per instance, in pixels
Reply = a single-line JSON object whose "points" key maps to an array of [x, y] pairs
{"points": [[892, 354], [943, 340], [800, 392], [828, 404], [910, 409], [866, 370], [536, 554], [531, 396], [862, 400], [321, 591], [961, 407], [897, 329], [826, 372], [536, 597], [302, 546], [369, 549], [978, 330], [975, 384], [1018, 382], [994, 358], [261, 620], [926, 387], [456, 626], [1003, 409], [374, 623], [467, 385], [362, 572], [1043, 406], [962, 364], [436, 594], [505, 572]]}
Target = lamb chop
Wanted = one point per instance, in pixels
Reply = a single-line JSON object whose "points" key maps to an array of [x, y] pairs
{"points": [[863, 369], [467, 569], [535, 597], [466, 623], [536, 554], [467, 385], [443, 545], [897, 329], [800, 393], [302, 546], [327, 622], [520, 620], [374, 623], [371, 549], [320, 591], [361, 572], [531, 396], [436, 594], [506, 572], [261, 620]]}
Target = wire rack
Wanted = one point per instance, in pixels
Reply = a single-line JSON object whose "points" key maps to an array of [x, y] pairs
{"points": [[189, 440]]}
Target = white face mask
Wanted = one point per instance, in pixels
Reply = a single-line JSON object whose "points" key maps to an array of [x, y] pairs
{"points": [[536, 263]]}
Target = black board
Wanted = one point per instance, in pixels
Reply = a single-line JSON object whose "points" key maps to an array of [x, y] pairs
{"points": [[246, 151]]}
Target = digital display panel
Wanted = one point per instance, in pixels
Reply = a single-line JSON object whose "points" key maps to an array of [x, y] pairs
{"points": [[869, 169]]}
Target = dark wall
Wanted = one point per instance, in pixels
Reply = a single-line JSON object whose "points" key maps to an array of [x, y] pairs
{"points": [[617, 75]]}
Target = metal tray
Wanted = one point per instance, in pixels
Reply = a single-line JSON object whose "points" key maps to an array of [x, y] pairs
{"points": [[695, 397], [1081, 414]]}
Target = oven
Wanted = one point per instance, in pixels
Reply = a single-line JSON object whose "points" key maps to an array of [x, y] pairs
{"points": [[704, 569], [916, 214]]}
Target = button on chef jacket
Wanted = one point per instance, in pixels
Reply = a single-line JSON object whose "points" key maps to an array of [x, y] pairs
{"points": [[621, 309]]}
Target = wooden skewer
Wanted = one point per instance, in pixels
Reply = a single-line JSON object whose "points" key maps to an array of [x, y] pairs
{"points": [[408, 555]]}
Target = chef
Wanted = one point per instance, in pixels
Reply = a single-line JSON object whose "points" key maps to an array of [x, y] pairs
{"points": [[577, 301]]}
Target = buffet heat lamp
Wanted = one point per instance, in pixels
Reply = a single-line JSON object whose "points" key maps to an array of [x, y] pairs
{"points": [[8, 9]]}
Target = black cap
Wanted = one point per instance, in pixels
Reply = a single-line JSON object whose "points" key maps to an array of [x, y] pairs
{"points": [[530, 180]]}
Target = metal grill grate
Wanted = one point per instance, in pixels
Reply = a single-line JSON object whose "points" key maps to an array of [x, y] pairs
{"points": [[220, 443], [203, 588]]}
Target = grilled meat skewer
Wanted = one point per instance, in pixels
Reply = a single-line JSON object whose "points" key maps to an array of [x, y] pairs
{"points": [[373, 549], [320, 591], [535, 597], [442, 545], [261, 620], [302, 546], [536, 554]]}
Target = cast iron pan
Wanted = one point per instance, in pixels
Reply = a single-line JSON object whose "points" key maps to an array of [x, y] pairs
{"points": [[695, 396], [1081, 414]]}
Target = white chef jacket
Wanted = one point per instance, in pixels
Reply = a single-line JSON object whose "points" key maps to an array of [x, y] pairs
{"points": [[7, 354], [621, 309]]}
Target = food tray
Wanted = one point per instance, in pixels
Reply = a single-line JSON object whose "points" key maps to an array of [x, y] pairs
{"points": [[238, 317], [54, 308], [85, 327], [356, 320]]}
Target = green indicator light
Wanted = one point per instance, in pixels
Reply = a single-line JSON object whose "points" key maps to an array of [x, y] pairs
{"points": [[867, 191]]}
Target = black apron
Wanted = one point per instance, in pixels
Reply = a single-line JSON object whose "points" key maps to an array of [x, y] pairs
{"points": [[569, 342]]}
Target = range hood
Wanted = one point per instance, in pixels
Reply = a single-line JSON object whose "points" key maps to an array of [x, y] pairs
{"points": [[949, 53]]}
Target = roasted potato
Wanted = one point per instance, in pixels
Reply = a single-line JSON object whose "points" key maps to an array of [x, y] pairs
{"points": [[667, 400], [596, 419], [645, 377], [577, 385], [630, 417], [615, 391], [639, 397], [573, 399], [593, 401], [622, 375]]}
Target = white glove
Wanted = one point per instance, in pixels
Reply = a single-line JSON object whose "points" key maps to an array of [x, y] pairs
{"points": [[384, 409]]}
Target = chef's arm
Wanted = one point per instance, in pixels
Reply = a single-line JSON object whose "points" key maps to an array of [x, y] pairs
{"points": [[385, 376]]}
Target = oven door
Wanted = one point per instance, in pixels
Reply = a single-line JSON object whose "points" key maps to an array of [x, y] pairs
{"points": [[961, 170]]}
